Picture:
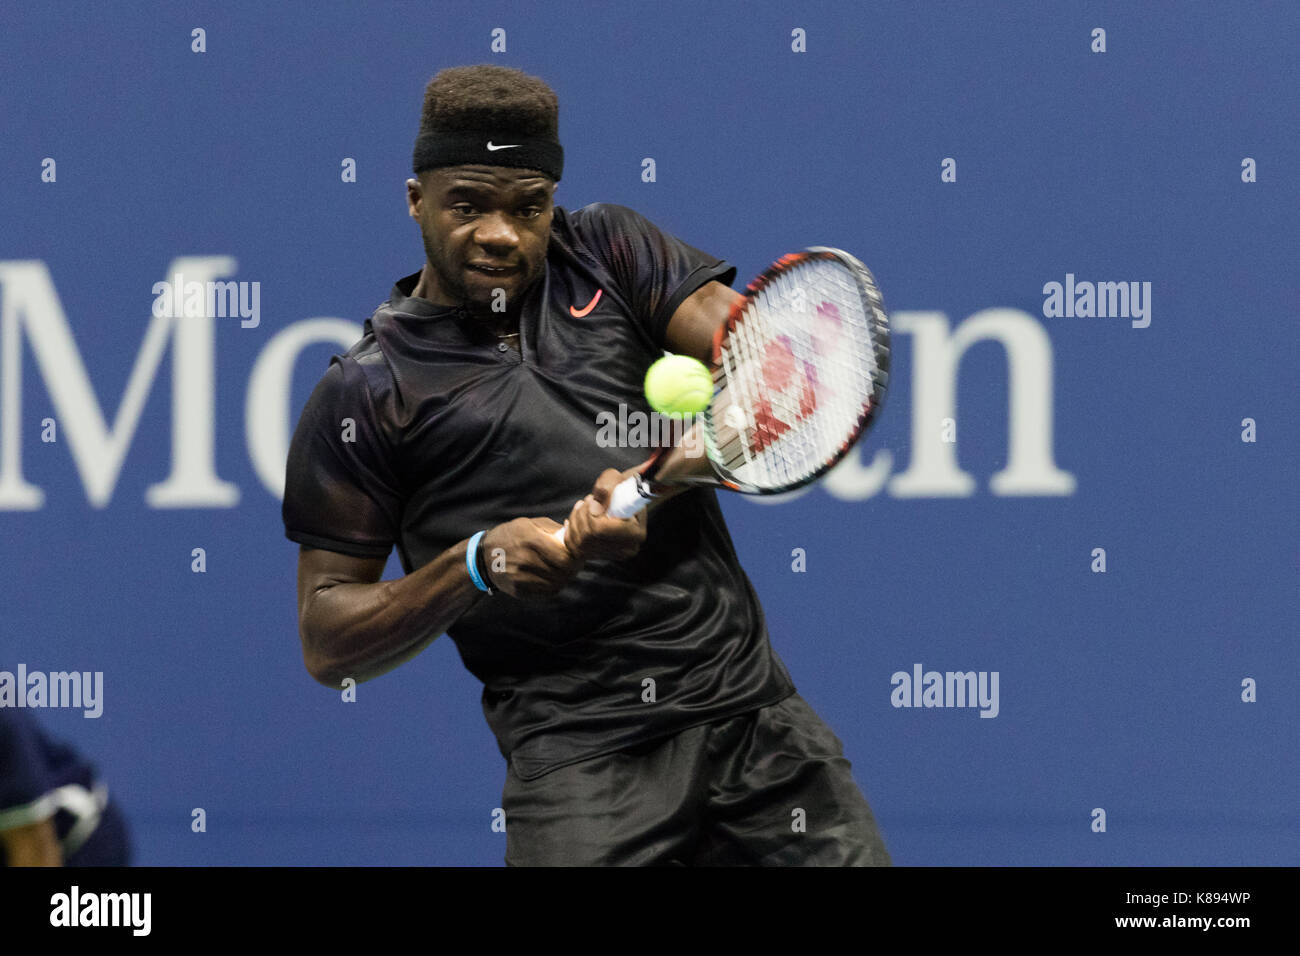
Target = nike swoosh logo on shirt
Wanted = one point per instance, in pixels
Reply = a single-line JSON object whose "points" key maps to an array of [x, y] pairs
{"points": [[586, 309], [493, 149]]}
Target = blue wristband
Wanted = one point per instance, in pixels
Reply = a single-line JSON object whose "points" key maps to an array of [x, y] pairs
{"points": [[471, 562]]}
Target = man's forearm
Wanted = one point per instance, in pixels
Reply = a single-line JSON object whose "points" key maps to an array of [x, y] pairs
{"points": [[364, 630], [35, 844]]}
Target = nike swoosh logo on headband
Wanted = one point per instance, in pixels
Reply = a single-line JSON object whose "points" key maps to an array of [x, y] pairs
{"points": [[587, 308], [493, 149]]}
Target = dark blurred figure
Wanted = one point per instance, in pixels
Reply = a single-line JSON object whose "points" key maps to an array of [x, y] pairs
{"points": [[54, 809]]}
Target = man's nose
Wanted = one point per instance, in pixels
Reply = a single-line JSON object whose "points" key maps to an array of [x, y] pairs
{"points": [[496, 230]]}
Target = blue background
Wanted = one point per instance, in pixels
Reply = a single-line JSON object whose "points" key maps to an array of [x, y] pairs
{"points": [[1118, 690]]}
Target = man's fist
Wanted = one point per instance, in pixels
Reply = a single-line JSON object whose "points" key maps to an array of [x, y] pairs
{"points": [[535, 563], [590, 534]]}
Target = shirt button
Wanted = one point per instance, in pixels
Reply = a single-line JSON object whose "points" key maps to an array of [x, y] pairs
{"points": [[501, 347]]}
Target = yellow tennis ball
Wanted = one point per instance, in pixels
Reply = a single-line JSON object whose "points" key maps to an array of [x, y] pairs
{"points": [[678, 385]]}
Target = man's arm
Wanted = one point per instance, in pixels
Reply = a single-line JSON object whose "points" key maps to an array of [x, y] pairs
{"points": [[354, 625], [692, 327], [34, 844]]}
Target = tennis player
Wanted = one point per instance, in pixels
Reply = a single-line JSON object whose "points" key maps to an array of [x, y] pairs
{"points": [[54, 807], [627, 672]]}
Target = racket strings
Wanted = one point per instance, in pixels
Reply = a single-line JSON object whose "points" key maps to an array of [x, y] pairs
{"points": [[768, 412], [796, 375]]}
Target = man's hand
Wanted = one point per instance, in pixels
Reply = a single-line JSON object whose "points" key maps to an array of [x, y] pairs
{"points": [[35, 844], [536, 564], [590, 534]]}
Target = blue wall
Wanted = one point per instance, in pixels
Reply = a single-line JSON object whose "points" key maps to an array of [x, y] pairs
{"points": [[1119, 690]]}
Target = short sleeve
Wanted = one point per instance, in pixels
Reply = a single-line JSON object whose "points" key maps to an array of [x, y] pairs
{"points": [[340, 490], [655, 271], [24, 775]]}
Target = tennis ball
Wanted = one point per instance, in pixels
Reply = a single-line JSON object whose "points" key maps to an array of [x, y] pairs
{"points": [[678, 385]]}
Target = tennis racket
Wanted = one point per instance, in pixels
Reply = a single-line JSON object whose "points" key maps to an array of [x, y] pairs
{"points": [[799, 373]]}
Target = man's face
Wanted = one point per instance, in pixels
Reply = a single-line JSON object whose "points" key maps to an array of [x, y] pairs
{"points": [[482, 216]]}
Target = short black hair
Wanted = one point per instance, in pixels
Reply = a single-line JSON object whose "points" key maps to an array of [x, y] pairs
{"points": [[490, 97]]}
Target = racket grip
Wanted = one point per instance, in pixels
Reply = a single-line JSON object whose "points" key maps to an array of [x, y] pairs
{"points": [[629, 497]]}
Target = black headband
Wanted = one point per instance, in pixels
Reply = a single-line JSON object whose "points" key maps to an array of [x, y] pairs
{"points": [[436, 148]]}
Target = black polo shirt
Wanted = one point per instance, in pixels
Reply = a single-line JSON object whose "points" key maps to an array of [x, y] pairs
{"points": [[454, 433]]}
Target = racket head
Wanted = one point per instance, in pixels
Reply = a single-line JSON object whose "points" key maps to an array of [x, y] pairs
{"points": [[799, 372]]}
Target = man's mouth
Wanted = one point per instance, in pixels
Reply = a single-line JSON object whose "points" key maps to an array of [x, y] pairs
{"points": [[492, 270]]}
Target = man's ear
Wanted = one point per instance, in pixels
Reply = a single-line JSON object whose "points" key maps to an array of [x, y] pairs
{"points": [[414, 198]]}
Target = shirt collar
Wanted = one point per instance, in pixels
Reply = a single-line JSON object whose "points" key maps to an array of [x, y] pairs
{"points": [[401, 300]]}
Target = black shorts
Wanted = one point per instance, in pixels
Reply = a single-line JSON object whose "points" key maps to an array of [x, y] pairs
{"points": [[770, 787]]}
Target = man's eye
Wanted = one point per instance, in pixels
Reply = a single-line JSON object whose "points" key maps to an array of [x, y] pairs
{"points": [[531, 212], [463, 209]]}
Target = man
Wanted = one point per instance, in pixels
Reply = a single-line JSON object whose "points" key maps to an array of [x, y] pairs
{"points": [[627, 671], [54, 811]]}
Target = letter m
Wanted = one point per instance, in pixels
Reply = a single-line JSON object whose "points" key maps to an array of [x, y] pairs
{"points": [[1115, 297], [31, 305], [65, 687], [961, 688]]}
